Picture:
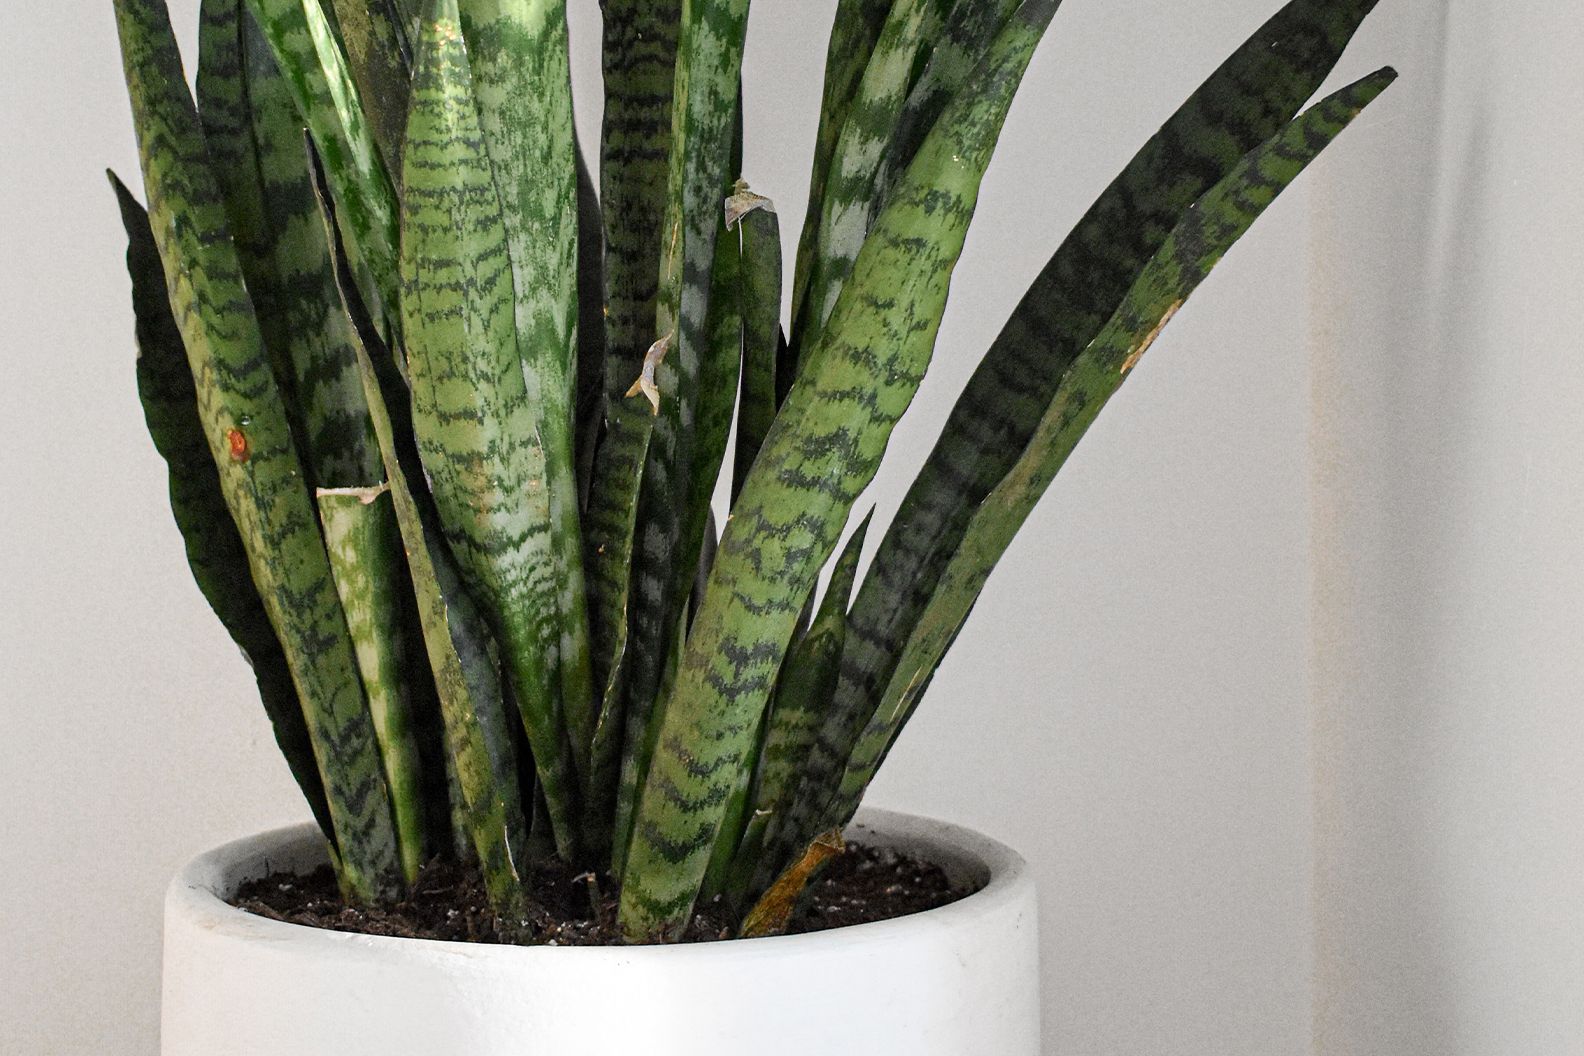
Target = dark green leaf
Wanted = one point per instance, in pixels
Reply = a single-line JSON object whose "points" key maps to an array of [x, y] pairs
{"points": [[214, 549], [590, 404], [689, 383], [1248, 99], [758, 232], [244, 423], [1208, 229], [379, 51], [639, 60]]}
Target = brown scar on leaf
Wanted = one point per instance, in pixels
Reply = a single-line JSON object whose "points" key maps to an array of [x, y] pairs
{"points": [[1149, 339], [646, 379], [742, 202], [773, 912]]}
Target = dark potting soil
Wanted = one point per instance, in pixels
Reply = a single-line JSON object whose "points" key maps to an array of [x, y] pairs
{"points": [[567, 908]]}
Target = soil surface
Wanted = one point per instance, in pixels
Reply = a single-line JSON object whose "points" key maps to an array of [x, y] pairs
{"points": [[566, 908]]}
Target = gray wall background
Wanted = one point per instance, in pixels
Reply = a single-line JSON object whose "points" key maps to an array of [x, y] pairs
{"points": [[1278, 690]]}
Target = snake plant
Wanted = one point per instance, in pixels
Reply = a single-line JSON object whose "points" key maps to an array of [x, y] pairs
{"points": [[443, 419]]}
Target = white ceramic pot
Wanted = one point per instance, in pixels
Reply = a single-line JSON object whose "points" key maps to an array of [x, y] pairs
{"points": [[962, 980]]}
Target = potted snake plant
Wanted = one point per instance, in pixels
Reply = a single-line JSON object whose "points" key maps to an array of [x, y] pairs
{"points": [[443, 417]]}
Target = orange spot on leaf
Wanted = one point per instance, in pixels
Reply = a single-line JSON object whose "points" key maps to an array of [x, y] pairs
{"points": [[237, 443]]}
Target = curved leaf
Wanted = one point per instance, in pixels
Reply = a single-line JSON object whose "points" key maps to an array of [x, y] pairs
{"points": [[1248, 99], [853, 37], [970, 27], [1194, 247], [847, 196]]}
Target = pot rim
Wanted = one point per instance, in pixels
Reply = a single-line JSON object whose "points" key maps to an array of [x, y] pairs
{"points": [[194, 894]]}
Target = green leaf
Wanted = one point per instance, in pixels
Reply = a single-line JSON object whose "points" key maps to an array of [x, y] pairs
{"points": [[688, 376], [224, 109], [803, 687], [215, 552], [821, 452], [315, 70], [854, 35], [517, 57], [716, 400], [379, 50], [410, 12], [970, 27], [244, 423], [1248, 99], [255, 137], [847, 198], [610, 525], [364, 543], [639, 60], [481, 758], [716, 403], [473, 415], [590, 404], [758, 232], [1208, 229]]}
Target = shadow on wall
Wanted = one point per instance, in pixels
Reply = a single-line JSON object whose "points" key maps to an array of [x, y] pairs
{"points": [[1447, 453]]}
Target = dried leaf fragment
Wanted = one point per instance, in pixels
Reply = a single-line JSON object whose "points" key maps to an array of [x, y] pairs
{"points": [[646, 379], [773, 912], [742, 202]]}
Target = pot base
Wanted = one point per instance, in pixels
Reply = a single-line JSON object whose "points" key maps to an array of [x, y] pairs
{"points": [[961, 980]]}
